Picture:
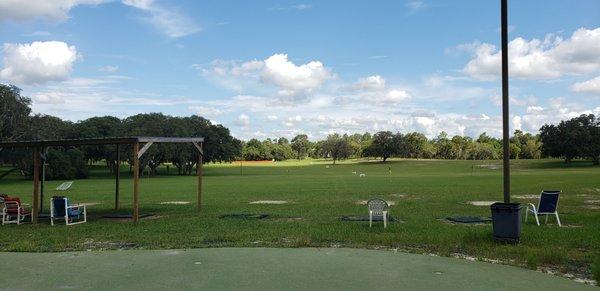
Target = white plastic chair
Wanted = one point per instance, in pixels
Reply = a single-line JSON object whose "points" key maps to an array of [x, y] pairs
{"points": [[547, 205], [378, 207]]}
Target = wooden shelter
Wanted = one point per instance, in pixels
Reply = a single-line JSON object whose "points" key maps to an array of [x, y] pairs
{"points": [[39, 147]]}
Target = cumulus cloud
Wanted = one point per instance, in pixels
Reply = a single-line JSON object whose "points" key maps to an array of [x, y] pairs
{"points": [[590, 86], [54, 10], [37, 62], [277, 70], [550, 58], [371, 83]]}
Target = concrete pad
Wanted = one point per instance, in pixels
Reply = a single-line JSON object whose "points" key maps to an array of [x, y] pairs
{"points": [[531, 196], [266, 269], [364, 202], [481, 203], [269, 202], [175, 202]]}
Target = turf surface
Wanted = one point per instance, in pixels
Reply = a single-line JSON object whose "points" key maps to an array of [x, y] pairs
{"points": [[425, 192], [265, 269]]}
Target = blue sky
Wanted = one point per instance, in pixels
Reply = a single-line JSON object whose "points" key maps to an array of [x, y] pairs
{"points": [[280, 68]]}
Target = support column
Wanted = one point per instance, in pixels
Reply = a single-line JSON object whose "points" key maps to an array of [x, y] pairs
{"points": [[117, 177], [136, 182], [36, 185], [199, 174]]}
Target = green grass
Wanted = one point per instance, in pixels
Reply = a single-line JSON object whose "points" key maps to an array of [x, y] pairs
{"points": [[318, 194]]}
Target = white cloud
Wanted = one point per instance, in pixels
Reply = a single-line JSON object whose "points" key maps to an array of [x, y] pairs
{"points": [[395, 96], [589, 86], [167, 20], [109, 69], [291, 80], [302, 6], [54, 10], [243, 120], [37, 62], [415, 5], [550, 58], [371, 83], [204, 111]]}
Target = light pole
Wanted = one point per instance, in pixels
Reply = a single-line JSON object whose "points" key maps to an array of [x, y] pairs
{"points": [[505, 100]]}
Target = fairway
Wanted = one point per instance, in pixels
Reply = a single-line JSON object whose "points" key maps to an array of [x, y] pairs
{"points": [[268, 269], [317, 194]]}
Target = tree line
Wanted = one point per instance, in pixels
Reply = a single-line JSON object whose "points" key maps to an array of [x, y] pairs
{"points": [[18, 124], [575, 138], [571, 139]]}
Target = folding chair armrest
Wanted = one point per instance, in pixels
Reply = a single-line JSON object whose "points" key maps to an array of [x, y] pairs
{"points": [[76, 206], [532, 207]]}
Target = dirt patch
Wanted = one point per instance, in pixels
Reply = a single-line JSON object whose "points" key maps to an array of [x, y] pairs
{"points": [[592, 201], [399, 195], [489, 166], [364, 202], [269, 202], [174, 202], [481, 203], [107, 245]]}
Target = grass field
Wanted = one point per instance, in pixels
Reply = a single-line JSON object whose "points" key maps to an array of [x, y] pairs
{"points": [[424, 192]]}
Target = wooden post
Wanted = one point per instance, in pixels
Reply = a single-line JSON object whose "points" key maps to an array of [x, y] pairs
{"points": [[36, 185], [136, 182], [117, 177], [199, 173]]}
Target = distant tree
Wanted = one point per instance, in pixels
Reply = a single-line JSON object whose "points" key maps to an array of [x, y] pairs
{"points": [[443, 146], [384, 144], [337, 147], [301, 145], [415, 144], [571, 138], [15, 113]]}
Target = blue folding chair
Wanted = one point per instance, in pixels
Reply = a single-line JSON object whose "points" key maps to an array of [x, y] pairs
{"points": [[547, 205], [60, 209]]}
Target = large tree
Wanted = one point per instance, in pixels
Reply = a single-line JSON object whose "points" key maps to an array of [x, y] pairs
{"points": [[15, 113], [337, 147], [384, 144], [572, 138], [301, 145]]}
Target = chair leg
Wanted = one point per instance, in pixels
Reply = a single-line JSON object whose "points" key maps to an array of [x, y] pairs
{"points": [[384, 219], [537, 220], [557, 219], [370, 219], [546, 222]]}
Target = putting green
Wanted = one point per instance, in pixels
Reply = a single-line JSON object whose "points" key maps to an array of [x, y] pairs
{"points": [[263, 268]]}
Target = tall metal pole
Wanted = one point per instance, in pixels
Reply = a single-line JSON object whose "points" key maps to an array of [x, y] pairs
{"points": [[505, 100], [117, 177]]}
